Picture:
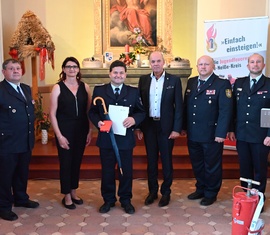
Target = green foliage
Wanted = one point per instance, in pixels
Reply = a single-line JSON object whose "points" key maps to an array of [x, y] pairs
{"points": [[42, 118]]}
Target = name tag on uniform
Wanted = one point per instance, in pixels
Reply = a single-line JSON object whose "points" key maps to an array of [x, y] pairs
{"points": [[210, 92]]}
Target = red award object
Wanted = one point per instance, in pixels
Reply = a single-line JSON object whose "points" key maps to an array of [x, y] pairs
{"points": [[107, 126], [231, 145]]}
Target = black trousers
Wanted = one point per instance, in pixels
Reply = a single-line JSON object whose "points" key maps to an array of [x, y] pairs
{"points": [[70, 163], [14, 168], [108, 180], [253, 159], [206, 160], [158, 145]]}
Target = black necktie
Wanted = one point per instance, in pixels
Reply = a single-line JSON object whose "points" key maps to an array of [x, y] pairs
{"points": [[253, 84], [19, 91], [116, 92], [200, 84]]}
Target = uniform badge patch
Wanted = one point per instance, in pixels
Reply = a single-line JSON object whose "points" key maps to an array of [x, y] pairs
{"points": [[228, 93], [210, 92]]}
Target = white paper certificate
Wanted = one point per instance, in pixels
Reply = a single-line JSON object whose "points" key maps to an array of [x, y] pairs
{"points": [[118, 114]]}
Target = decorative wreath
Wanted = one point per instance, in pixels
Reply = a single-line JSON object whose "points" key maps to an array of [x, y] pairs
{"points": [[31, 39]]}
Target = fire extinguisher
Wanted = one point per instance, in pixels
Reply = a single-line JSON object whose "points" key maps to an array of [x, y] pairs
{"points": [[246, 210]]}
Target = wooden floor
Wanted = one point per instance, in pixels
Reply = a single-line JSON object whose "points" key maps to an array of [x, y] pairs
{"points": [[44, 163]]}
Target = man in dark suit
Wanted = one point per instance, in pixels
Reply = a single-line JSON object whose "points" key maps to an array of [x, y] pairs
{"points": [[162, 99], [128, 97], [250, 95], [207, 115], [16, 140]]}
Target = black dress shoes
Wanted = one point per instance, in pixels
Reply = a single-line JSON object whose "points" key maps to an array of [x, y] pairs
{"points": [[28, 204], [208, 201], [77, 201], [195, 195], [150, 198], [71, 206], [164, 201], [106, 207], [129, 209], [8, 215]]}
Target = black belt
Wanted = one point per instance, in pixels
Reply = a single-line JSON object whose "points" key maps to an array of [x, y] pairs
{"points": [[155, 118]]}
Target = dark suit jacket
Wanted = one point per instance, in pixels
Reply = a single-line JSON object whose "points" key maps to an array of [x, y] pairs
{"points": [[247, 106], [207, 113], [171, 102], [128, 97], [16, 119]]}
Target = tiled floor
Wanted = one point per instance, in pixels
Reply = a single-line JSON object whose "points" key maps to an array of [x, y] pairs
{"points": [[180, 217]]}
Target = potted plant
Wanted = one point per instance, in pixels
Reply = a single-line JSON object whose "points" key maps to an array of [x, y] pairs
{"points": [[43, 123]]}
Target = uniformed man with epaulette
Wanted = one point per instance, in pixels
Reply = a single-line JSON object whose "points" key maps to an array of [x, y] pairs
{"points": [[16, 140], [250, 95], [207, 115]]}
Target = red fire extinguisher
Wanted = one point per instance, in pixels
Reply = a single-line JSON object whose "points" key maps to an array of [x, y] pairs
{"points": [[246, 209]]}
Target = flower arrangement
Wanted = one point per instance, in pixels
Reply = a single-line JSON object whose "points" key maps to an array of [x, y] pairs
{"points": [[138, 42], [45, 123], [42, 118], [140, 46], [128, 58]]}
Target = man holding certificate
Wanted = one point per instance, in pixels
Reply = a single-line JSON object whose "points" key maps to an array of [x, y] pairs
{"points": [[125, 112]]}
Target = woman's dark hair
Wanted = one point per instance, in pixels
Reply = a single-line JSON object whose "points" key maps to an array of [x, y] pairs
{"points": [[62, 75]]}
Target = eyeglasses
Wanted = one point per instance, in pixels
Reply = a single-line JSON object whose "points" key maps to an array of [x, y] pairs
{"points": [[71, 67]]}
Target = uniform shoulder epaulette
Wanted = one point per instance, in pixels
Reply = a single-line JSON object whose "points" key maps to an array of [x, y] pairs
{"points": [[241, 78], [135, 86]]}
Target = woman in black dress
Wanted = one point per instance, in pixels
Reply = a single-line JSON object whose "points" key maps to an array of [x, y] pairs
{"points": [[70, 102]]}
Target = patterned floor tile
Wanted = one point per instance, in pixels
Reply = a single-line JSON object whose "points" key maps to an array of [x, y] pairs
{"points": [[180, 217]]}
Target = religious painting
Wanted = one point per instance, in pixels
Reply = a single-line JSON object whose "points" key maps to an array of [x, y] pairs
{"points": [[127, 16], [115, 21]]}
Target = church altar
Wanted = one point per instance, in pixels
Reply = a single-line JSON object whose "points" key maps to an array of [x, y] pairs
{"points": [[94, 76]]}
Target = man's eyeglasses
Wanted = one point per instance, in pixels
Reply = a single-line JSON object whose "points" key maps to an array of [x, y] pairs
{"points": [[71, 67]]}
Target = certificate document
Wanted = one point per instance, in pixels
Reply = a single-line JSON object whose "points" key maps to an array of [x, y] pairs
{"points": [[118, 114]]}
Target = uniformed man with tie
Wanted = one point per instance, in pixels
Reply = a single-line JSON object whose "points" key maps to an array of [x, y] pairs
{"points": [[117, 93], [16, 140], [207, 115], [250, 95]]}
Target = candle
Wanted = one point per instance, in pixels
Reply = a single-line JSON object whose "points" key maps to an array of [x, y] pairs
{"points": [[126, 48]]}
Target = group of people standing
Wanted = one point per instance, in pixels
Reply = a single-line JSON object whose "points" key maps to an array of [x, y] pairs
{"points": [[157, 113]]}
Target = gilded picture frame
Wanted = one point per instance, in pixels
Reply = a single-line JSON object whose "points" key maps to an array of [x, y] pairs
{"points": [[102, 37]]}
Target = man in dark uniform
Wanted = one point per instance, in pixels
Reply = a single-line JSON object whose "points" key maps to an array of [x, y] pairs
{"points": [[162, 99], [207, 115], [16, 140], [117, 93], [250, 95]]}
